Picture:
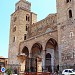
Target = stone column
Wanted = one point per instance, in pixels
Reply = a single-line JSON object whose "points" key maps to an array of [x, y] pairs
{"points": [[30, 61], [43, 59], [52, 63], [60, 59]]}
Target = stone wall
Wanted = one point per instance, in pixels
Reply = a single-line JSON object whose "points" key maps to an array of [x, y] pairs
{"points": [[46, 25]]}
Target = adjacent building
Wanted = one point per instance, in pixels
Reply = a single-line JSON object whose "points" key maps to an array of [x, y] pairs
{"points": [[3, 62]]}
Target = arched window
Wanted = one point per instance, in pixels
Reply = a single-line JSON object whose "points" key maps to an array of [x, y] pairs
{"points": [[27, 17], [48, 62], [70, 13], [24, 36], [26, 28]]}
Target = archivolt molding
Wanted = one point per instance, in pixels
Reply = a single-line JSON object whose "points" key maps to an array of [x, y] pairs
{"points": [[45, 42]]}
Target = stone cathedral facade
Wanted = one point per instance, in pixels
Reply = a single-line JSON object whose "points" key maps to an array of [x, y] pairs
{"points": [[44, 45]]}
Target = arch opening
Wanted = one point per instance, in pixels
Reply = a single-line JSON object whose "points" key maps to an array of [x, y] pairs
{"points": [[48, 61], [52, 55], [25, 50], [36, 51], [26, 60]]}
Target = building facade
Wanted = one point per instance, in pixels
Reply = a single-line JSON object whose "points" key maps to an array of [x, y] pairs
{"points": [[3, 62], [45, 45]]}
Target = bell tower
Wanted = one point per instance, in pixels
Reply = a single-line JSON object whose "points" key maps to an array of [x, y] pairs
{"points": [[66, 31], [21, 21], [65, 10]]}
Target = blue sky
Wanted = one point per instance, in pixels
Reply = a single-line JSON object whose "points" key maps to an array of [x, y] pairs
{"points": [[41, 7]]}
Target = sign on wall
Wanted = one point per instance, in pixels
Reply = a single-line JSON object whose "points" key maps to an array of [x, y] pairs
{"points": [[2, 69]]}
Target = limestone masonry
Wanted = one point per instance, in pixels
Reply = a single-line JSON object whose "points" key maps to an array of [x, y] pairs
{"points": [[44, 45]]}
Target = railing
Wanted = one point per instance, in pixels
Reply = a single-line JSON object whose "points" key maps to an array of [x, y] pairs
{"points": [[37, 73]]}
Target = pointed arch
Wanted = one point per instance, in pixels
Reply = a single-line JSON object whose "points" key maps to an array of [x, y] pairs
{"points": [[25, 50], [52, 42], [36, 49], [51, 55]]}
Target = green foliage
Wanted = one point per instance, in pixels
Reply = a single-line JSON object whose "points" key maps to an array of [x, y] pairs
{"points": [[9, 71]]}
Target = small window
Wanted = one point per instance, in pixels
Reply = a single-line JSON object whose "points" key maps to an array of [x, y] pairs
{"points": [[26, 28], [26, 18], [14, 29], [24, 36], [70, 13], [13, 39], [71, 34]]}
